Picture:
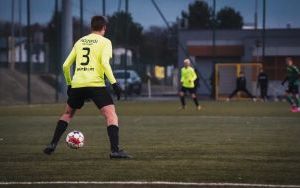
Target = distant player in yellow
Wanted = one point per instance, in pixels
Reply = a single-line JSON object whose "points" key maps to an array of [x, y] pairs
{"points": [[91, 55], [187, 80]]}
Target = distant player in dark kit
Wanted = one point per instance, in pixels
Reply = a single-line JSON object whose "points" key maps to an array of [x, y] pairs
{"points": [[292, 93], [91, 55], [262, 83], [187, 80], [241, 86]]}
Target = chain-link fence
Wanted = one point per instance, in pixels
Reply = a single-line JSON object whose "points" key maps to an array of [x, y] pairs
{"points": [[150, 40]]}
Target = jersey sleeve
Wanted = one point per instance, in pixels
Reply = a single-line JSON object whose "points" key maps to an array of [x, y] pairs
{"points": [[297, 70], [194, 77], [106, 56], [67, 64], [181, 76]]}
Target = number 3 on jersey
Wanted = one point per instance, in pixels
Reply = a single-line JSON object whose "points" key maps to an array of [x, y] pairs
{"points": [[86, 56]]}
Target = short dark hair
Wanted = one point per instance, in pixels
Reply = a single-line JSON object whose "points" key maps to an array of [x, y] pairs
{"points": [[288, 59], [98, 23]]}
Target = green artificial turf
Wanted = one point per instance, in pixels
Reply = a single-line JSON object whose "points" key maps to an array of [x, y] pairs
{"points": [[238, 142]]}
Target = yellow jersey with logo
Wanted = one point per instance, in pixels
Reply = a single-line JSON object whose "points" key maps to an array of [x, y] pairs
{"points": [[188, 76], [91, 55]]}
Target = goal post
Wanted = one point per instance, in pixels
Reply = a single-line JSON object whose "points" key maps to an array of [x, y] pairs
{"points": [[226, 74]]}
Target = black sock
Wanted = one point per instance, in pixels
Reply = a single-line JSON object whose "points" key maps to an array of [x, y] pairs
{"points": [[113, 134], [59, 131], [182, 101], [196, 101]]}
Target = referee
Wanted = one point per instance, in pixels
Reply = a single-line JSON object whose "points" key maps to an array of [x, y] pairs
{"points": [[91, 55]]}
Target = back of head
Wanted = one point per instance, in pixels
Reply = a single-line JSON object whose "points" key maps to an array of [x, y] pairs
{"points": [[187, 62], [98, 23], [261, 70], [289, 61]]}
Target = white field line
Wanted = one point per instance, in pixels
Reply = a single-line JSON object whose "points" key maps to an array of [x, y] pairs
{"points": [[148, 183]]}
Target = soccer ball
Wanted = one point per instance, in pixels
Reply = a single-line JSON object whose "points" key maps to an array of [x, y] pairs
{"points": [[75, 139]]}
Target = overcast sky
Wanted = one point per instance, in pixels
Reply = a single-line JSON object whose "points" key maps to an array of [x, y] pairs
{"points": [[279, 12]]}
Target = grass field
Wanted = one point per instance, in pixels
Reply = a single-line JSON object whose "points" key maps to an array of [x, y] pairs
{"points": [[238, 142]]}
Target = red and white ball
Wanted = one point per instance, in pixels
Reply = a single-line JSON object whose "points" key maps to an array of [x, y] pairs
{"points": [[75, 139]]}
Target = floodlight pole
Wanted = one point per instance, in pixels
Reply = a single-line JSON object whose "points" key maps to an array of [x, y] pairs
{"points": [[81, 18], [214, 32], [20, 29], [12, 41], [255, 15], [28, 54], [214, 54], [126, 48], [66, 36], [56, 51], [103, 8], [264, 31]]}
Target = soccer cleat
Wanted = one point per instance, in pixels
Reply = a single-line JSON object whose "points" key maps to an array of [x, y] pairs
{"points": [[119, 155], [199, 107], [294, 109], [49, 149], [182, 108]]}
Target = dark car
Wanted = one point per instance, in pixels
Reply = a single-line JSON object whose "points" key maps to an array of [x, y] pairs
{"points": [[134, 83]]}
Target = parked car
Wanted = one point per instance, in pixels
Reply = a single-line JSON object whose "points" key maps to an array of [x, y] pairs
{"points": [[134, 83]]}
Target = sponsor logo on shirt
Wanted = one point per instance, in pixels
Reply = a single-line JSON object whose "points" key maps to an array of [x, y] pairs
{"points": [[88, 41]]}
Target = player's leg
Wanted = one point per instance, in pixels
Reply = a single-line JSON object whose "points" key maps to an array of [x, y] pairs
{"points": [[249, 94], [182, 97], [265, 93], [112, 124], [291, 100], [63, 122], [104, 102], [261, 92], [195, 99], [75, 101], [233, 94], [61, 127], [111, 118], [296, 98], [289, 97]]}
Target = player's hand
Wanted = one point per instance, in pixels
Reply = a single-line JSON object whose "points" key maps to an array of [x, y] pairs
{"points": [[117, 90], [69, 90]]}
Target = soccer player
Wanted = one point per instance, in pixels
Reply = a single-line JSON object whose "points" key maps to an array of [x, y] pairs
{"points": [[91, 55], [292, 93], [188, 77], [241, 86], [262, 83]]}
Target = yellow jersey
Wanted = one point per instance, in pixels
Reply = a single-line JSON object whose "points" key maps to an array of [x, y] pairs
{"points": [[188, 76], [91, 55]]}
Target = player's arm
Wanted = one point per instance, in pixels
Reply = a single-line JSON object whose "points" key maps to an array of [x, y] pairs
{"points": [[106, 55], [181, 76], [194, 77], [67, 65], [285, 79], [297, 70]]}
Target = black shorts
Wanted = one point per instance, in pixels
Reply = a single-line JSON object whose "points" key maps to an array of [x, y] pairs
{"points": [[99, 95], [293, 88], [190, 90]]}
